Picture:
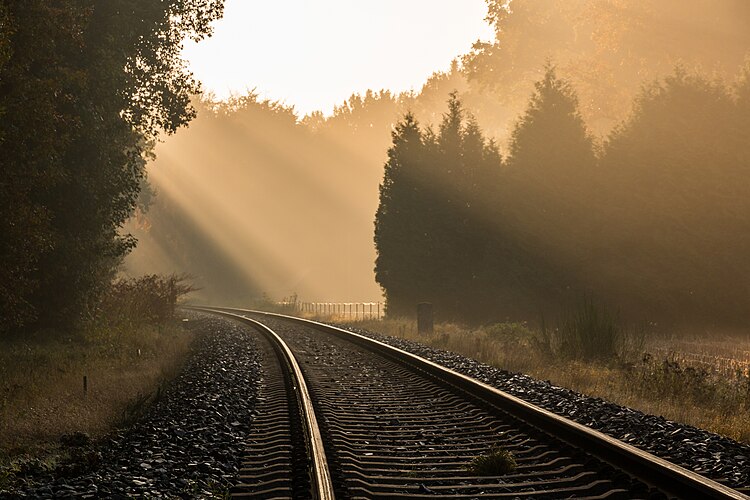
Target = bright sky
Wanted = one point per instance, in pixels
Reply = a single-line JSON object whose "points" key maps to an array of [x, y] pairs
{"points": [[315, 54]]}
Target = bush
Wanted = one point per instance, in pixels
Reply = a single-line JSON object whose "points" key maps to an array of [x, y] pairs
{"points": [[150, 299], [678, 381], [287, 305]]}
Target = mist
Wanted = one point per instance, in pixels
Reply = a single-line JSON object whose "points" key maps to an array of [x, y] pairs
{"points": [[253, 199], [250, 196]]}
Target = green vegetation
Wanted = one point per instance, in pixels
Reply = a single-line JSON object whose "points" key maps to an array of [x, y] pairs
{"points": [[589, 332], [48, 415], [147, 300], [674, 380], [496, 462], [607, 50], [430, 197], [126, 355], [86, 87], [653, 220]]}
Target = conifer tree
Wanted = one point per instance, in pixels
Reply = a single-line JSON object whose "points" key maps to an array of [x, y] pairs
{"points": [[551, 137], [399, 234], [551, 162], [678, 190], [548, 189], [430, 230]]}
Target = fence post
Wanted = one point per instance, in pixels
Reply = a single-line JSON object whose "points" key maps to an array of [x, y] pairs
{"points": [[424, 318]]}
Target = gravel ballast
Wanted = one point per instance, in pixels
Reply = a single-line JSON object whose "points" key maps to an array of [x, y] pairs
{"points": [[188, 444], [710, 454]]}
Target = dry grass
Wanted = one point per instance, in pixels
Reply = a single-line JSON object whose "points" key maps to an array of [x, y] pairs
{"points": [[677, 380], [727, 353], [41, 382], [496, 462]]}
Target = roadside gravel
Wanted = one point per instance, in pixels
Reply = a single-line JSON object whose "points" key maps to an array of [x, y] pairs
{"points": [[187, 445]]}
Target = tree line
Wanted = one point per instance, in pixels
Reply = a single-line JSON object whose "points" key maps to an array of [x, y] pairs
{"points": [[86, 87], [331, 177], [654, 219]]}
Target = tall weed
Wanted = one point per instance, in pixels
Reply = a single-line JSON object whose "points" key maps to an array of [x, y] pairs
{"points": [[589, 332]]}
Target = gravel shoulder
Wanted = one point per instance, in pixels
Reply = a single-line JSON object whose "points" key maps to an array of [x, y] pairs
{"points": [[712, 455], [187, 444]]}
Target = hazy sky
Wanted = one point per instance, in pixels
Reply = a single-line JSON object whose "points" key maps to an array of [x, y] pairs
{"points": [[315, 54]]}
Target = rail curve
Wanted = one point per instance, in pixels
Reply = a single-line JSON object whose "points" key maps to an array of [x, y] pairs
{"points": [[658, 474], [319, 474]]}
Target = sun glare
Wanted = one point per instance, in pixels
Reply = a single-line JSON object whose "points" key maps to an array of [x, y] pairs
{"points": [[314, 55]]}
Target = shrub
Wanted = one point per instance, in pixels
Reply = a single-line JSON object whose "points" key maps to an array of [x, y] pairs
{"points": [[287, 305], [150, 299], [678, 381]]}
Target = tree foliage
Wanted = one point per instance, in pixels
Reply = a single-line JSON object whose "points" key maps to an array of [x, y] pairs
{"points": [[607, 48], [85, 87], [678, 182], [399, 237], [435, 185], [551, 134], [655, 221]]}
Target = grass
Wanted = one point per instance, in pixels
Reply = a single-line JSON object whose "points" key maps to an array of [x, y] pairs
{"points": [[496, 462], [655, 373], [41, 383], [126, 356], [589, 331]]}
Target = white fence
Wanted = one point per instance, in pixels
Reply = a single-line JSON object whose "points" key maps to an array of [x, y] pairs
{"points": [[354, 311]]}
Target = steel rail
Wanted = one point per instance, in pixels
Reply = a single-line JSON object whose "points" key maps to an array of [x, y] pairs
{"points": [[655, 471], [320, 475]]}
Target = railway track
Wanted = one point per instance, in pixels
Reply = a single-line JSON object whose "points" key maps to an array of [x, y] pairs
{"points": [[341, 415]]}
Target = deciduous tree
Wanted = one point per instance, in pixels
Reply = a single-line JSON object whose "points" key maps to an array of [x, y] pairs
{"points": [[85, 88]]}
